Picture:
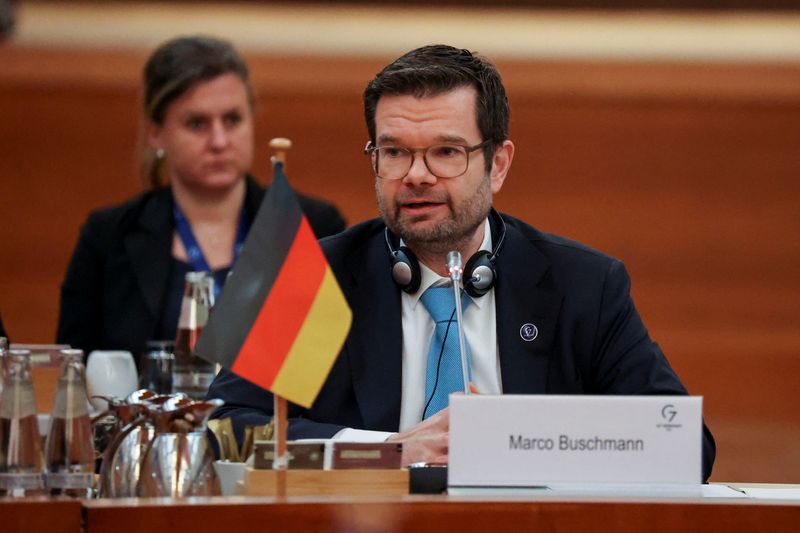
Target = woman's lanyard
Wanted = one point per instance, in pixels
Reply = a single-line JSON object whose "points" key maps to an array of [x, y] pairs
{"points": [[196, 258]]}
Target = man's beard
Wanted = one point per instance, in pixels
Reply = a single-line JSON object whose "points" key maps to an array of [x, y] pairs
{"points": [[452, 233]]}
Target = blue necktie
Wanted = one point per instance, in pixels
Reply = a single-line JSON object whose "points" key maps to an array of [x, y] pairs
{"points": [[440, 304]]}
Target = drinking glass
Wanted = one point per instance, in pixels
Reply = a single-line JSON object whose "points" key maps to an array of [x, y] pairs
{"points": [[156, 365]]}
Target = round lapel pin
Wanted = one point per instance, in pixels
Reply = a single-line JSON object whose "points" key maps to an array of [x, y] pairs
{"points": [[528, 332]]}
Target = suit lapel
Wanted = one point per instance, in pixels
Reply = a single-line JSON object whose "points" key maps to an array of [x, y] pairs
{"points": [[527, 311], [149, 245], [374, 346], [148, 248], [253, 196]]}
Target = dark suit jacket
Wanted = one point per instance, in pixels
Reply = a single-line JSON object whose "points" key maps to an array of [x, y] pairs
{"points": [[591, 339], [115, 285]]}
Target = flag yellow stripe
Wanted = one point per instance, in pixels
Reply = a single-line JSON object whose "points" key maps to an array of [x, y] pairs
{"points": [[316, 346]]}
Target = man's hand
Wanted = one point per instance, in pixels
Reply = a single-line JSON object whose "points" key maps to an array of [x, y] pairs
{"points": [[427, 442]]}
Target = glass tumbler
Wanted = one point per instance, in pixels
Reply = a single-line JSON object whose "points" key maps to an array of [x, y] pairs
{"points": [[155, 372]]}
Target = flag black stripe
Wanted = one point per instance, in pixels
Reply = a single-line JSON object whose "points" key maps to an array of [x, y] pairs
{"points": [[265, 249]]}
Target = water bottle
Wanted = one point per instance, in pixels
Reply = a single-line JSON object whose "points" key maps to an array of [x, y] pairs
{"points": [[69, 448], [21, 460], [3, 361], [192, 375]]}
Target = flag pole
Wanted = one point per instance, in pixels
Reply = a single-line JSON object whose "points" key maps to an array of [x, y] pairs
{"points": [[280, 463], [281, 145]]}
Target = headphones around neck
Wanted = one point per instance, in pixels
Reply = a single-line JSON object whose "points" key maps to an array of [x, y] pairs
{"points": [[479, 272]]}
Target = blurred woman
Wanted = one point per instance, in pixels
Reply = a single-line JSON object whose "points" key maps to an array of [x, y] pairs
{"points": [[124, 283]]}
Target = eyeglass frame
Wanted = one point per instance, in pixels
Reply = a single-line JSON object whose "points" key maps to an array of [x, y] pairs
{"points": [[370, 149]]}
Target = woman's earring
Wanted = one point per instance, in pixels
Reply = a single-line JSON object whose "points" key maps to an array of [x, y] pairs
{"points": [[159, 153]]}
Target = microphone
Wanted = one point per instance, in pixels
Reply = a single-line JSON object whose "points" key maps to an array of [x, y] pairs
{"points": [[455, 268]]}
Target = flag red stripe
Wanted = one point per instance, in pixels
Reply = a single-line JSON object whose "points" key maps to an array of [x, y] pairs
{"points": [[284, 311]]}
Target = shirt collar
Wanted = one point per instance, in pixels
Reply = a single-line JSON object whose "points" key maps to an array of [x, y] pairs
{"points": [[430, 278]]}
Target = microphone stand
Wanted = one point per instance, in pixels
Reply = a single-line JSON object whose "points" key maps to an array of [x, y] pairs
{"points": [[455, 268]]}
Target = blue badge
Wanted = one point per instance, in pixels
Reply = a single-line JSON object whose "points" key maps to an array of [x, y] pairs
{"points": [[528, 332]]}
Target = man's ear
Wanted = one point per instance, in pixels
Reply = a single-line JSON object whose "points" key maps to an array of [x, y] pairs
{"points": [[501, 162]]}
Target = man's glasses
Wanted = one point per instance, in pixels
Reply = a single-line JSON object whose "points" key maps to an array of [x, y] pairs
{"points": [[442, 160]]}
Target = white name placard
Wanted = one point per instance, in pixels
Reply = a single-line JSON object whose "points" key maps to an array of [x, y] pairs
{"points": [[546, 440]]}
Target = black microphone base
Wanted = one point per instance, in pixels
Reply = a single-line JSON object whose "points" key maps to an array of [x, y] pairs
{"points": [[427, 479]]}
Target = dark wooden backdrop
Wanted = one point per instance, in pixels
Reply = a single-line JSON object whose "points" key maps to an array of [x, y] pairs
{"points": [[687, 172]]}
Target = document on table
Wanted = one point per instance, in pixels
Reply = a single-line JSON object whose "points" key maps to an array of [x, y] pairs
{"points": [[773, 493], [719, 490]]}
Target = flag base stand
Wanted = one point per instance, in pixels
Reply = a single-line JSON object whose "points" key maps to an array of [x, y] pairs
{"points": [[328, 482]]}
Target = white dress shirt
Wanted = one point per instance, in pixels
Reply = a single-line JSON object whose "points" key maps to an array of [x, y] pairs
{"points": [[480, 333]]}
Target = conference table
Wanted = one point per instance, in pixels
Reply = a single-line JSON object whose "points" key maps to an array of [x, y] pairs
{"points": [[418, 513]]}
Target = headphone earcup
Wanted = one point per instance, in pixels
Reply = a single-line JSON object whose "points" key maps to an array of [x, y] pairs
{"points": [[479, 274], [405, 270]]}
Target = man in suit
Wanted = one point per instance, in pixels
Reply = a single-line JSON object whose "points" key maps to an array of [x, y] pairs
{"points": [[548, 315]]}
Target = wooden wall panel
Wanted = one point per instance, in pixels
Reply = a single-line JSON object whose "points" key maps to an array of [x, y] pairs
{"points": [[687, 172]]}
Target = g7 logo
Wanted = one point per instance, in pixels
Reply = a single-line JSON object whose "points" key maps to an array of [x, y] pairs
{"points": [[668, 412]]}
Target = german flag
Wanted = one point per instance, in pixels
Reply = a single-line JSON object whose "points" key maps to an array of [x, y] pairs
{"points": [[281, 318]]}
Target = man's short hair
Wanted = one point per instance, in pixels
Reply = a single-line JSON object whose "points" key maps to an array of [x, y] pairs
{"points": [[435, 69]]}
